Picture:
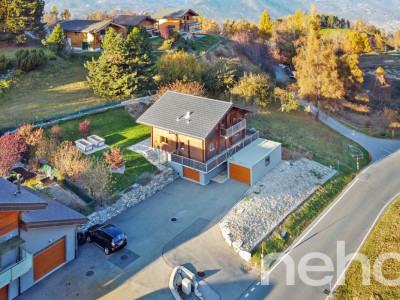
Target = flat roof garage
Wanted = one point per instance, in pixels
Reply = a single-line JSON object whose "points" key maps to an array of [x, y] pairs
{"points": [[254, 161]]}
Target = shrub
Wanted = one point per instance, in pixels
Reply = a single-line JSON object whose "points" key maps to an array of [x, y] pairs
{"points": [[144, 178], [4, 63], [165, 33], [254, 88], [35, 164], [70, 161], [180, 66], [56, 132], [84, 128], [115, 159], [167, 44], [191, 88], [29, 60], [11, 147], [18, 73]]}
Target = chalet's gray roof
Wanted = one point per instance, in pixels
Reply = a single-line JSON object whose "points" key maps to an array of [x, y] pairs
{"points": [[131, 20], [185, 114], [55, 213], [9, 201], [84, 25], [177, 13]]}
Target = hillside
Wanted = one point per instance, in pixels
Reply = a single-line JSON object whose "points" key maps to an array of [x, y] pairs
{"points": [[371, 10]]}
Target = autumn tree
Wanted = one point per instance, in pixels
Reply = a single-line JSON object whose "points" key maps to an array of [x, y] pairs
{"points": [[209, 26], [69, 160], [65, 15], [11, 148], [193, 88], [380, 89], [254, 88], [316, 70], [357, 42], [31, 137], [95, 179], [265, 25], [379, 44], [396, 39], [351, 75], [84, 128], [287, 99]]}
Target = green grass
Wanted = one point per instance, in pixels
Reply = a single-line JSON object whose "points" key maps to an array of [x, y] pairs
{"points": [[330, 33], [119, 130], [58, 89], [298, 131], [156, 42], [200, 44], [9, 51], [384, 238]]}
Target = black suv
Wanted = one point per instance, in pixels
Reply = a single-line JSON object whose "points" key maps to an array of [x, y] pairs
{"points": [[107, 236]]}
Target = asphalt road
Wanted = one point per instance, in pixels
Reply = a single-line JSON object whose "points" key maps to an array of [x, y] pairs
{"points": [[349, 219]]}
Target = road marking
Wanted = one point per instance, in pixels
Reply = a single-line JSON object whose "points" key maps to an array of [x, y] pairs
{"points": [[246, 295], [385, 150], [252, 289], [362, 242], [312, 227], [382, 158], [258, 283]]}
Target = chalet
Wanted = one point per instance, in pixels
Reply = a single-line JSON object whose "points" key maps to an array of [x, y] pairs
{"points": [[88, 34], [37, 236], [202, 138], [181, 20], [135, 20]]}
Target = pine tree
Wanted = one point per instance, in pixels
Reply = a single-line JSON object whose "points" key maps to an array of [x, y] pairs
{"points": [[139, 57], [56, 40], [110, 75], [265, 25], [316, 70]]}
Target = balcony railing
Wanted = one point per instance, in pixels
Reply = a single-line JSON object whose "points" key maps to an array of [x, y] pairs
{"points": [[228, 132], [251, 136], [23, 264]]}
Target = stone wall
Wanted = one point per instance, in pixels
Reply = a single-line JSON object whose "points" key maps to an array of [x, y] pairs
{"points": [[131, 198]]}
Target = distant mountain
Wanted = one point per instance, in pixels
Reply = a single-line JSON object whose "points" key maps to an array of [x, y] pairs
{"points": [[383, 13]]}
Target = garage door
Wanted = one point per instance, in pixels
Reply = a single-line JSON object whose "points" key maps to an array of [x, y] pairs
{"points": [[4, 293], [239, 173], [48, 259], [191, 174]]}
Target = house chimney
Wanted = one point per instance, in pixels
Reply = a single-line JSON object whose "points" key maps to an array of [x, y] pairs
{"points": [[18, 185]]}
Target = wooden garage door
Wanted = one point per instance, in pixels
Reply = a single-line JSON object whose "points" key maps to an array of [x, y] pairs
{"points": [[4, 293], [191, 174], [239, 173], [48, 259]]}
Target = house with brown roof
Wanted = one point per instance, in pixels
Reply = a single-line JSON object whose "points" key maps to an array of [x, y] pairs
{"points": [[202, 138], [37, 237], [88, 34], [136, 20], [182, 20]]}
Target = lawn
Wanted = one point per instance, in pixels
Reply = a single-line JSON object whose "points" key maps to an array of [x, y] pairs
{"points": [[384, 238], [299, 131], [330, 33], [57, 89], [119, 130]]}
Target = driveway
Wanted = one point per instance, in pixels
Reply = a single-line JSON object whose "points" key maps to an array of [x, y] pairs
{"points": [[155, 245]]}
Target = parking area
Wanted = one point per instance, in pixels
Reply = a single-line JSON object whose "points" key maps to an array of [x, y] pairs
{"points": [[155, 244]]}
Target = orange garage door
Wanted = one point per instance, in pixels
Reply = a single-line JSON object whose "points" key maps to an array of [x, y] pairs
{"points": [[239, 173], [48, 259], [191, 174], [4, 293]]}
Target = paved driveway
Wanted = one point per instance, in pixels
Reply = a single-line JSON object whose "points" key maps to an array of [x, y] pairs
{"points": [[156, 244]]}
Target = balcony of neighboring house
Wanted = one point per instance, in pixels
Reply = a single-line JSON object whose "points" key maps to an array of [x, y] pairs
{"points": [[190, 27], [15, 260], [234, 129], [250, 136]]}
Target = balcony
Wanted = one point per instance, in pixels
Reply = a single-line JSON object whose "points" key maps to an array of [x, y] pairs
{"points": [[251, 136], [14, 248], [231, 131], [190, 27]]}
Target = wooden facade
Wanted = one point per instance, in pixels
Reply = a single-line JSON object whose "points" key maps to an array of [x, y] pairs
{"points": [[198, 149], [8, 221], [177, 24], [92, 40]]}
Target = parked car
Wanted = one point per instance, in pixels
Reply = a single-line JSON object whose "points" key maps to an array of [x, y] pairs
{"points": [[106, 236]]}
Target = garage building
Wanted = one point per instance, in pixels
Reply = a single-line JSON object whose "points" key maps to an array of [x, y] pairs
{"points": [[254, 161]]}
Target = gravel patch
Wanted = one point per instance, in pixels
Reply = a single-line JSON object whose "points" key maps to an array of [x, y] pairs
{"points": [[269, 201]]}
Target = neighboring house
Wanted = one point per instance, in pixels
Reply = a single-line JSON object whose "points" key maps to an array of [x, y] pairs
{"points": [[88, 34], [182, 20], [134, 20], [37, 236], [200, 137]]}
